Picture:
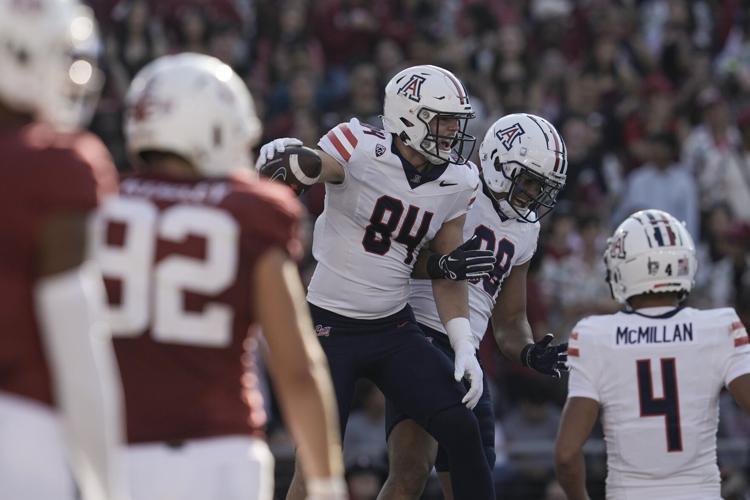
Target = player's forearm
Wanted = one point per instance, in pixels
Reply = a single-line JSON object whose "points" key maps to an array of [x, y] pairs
{"points": [[451, 299], [310, 393], [512, 335], [420, 265], [571, 473], [86, 383], [298, 366]]}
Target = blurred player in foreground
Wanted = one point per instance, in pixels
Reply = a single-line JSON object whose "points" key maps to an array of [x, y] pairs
{"points": [[58, 382], [523, 160], [654, 369], [197, 252]]}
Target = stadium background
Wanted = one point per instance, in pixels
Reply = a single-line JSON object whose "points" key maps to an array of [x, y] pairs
{"points": [[652, 98]]}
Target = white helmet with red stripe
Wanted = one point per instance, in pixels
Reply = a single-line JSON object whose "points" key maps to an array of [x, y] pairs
{"points": [[420, 94], [650, 252], [524, 161]]}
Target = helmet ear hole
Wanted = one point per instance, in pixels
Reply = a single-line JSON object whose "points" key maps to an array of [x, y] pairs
{"points": [[406, 122]]}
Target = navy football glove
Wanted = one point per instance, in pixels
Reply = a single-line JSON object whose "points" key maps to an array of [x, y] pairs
{"points": [[545, 358], [466, 262]]}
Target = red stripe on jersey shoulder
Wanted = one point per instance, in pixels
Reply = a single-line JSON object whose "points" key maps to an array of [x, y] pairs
{"points": [[573, 351], [741, 341], [574, 336], [348, 134], [337, 144], [737, 325]]}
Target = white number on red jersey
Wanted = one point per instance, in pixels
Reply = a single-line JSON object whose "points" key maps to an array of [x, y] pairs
{"points": [[152, 294]]}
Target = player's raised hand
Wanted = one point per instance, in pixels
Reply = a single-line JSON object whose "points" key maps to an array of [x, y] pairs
{"points": [[466, 262], [545, 358], [271, 149], [466, 366]]}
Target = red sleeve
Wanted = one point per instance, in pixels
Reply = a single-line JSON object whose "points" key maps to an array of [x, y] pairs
{"points": [[271, 217], [76, 176]]}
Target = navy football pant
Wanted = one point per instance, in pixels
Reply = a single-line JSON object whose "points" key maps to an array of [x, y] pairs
{"points": [[484, 410], [395, 355]]}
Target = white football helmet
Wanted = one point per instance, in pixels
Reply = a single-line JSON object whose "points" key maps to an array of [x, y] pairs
{"points": [[418, 94], [521, 147], [196, 107], [650, 252], [48, 60]]}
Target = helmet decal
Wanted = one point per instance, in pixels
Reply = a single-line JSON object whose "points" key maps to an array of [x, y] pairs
{"points": [[663, 233], [508, 136], [413, 88]]}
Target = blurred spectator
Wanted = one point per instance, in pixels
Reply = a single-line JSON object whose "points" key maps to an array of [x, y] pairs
{"points": [[726, 176], [713, 135], [136, 39], [663, 183], [526, 427], [364, 480], [364, 441], [575, 283]]}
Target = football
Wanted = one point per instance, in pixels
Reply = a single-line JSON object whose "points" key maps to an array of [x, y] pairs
{"points": [[298, 167]]}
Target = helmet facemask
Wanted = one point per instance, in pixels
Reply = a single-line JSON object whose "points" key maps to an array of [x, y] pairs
{"points": [[537, 194], [453, 144], [81, 88]]}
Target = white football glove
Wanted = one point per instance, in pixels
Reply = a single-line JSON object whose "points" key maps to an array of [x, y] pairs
{"points": [[466, 365], [271, 149]]}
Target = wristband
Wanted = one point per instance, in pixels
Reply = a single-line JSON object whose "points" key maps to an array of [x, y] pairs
{"points": [[433, 267], [458, 331], [326, 487], [525, 354]]}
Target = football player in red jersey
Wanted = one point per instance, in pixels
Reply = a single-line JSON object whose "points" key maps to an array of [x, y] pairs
{"points": [[59, 394], [196, 252]]}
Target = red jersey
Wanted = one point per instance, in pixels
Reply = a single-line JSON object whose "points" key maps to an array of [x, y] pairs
{"points": [[42, 173], [178, 258]]}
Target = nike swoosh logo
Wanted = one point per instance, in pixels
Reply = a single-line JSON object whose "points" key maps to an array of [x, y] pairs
{"points": [[444, 184]]}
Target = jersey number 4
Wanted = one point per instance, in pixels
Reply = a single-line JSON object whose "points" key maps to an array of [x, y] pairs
{"points": [[668, 405], [384, 220], [153, 292]]}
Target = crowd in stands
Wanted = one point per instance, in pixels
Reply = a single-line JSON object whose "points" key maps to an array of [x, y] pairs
{"points": [[651, 96]]}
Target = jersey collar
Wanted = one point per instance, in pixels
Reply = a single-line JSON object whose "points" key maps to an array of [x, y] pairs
{"points": [[656, 312], [414, 177]]}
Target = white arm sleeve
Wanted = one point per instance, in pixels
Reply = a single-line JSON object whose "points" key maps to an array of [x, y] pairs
{"points": [[85, 378]]}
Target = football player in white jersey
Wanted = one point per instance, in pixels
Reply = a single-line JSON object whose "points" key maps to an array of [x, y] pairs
{"points": [[524, 162], [655, 370], [388, 194]]}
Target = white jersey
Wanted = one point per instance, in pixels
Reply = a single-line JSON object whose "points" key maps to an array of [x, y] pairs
{"points": [[375, 222], [658, 381], [513, 241]]}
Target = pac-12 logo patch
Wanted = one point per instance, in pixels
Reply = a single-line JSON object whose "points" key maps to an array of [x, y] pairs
{"points": [[412, 89], [508, 136], [379, 150]]}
